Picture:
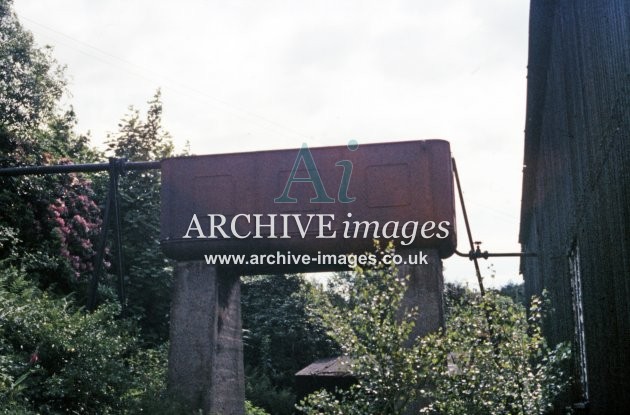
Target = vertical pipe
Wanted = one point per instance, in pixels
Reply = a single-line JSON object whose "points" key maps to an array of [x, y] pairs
{"points": [[470, 239]]}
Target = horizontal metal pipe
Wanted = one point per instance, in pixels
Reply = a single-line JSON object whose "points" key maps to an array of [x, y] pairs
{"points": [[141, 165], [486, 255], [76, 168], [521, 254]]}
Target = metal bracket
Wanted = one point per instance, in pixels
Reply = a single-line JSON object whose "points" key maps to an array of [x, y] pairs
{"points": [[116, 168]]}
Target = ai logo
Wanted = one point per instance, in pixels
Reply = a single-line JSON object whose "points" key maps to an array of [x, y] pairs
{"points": [[305, 156]]}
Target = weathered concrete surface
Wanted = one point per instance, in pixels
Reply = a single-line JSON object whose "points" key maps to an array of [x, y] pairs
{"points": [[227, 395], [205, 368], [425, 291]]}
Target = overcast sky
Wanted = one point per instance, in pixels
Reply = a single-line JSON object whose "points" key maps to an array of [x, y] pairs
{"points": [[251, 75]]}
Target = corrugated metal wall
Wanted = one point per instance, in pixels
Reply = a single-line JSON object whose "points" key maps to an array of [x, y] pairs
{"points": [[576, 184]]}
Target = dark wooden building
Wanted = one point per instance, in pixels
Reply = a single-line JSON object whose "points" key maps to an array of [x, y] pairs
{"points": [[576, 190]]}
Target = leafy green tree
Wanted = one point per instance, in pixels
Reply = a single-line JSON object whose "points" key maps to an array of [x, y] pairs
{"points": [[142, 140], [499, 360], [34, 127], [515, 291], [54, 357], [391, 373], [147, 270], [54, 218], [31, 82], [280, 338], [491, 359]]}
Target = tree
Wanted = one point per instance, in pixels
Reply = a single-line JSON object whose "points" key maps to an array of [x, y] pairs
{"points": [[31, 82], [55, 357], [54, 219], [515, 291], [491, 359], [139, 140], [280, 338], [148, 271], [391, 373], [499, 360]]}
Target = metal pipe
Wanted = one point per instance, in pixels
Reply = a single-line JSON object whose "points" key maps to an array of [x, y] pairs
{"points": [[470, 238], [507, 254], [486, 254], [76, 168]]}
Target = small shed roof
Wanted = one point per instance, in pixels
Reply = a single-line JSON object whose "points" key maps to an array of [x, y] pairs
{"points": [[330, 367]]}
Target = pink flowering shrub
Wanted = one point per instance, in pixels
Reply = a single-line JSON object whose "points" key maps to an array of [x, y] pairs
{"points": [[76, 222]]}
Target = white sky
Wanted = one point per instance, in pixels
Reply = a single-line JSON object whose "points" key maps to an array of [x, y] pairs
{"points": [[251, 75]]}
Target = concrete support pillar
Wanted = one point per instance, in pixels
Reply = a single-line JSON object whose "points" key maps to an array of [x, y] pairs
{"points": [[205, 364], [424, 290]]}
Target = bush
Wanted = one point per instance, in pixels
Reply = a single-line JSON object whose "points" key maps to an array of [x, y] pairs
{"points": [[491, 359], [55, 358], [260, 390], [499, 360], [279, 338], [250, 409], [363, 317]]}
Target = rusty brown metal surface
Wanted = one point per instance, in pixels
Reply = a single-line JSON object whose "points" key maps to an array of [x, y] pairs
{"points": [[402, 181]]}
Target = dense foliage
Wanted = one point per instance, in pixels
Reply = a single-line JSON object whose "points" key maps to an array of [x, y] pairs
{"points": [[31, 82], [280, 338], [51, 216], [490, 359], [391, 373], [499, 360], [147, 272], [55, 358]]}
